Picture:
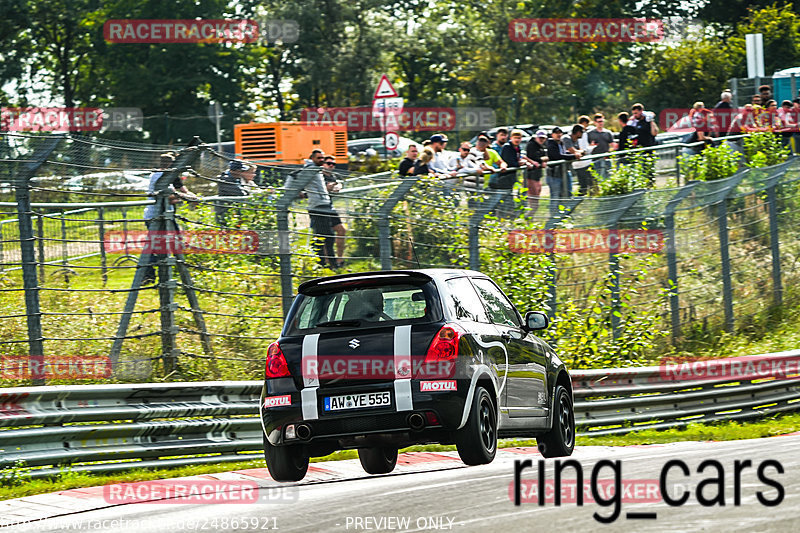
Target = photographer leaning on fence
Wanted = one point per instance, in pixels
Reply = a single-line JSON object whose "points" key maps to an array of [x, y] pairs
{"points": [[325, 221]]}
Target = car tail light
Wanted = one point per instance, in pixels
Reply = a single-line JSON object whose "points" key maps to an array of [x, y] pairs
{"points": [[444, 346], [276, 362]]}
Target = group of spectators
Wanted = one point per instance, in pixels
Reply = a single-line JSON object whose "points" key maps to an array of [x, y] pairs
{"points": [[500, 158], [762, 114]]}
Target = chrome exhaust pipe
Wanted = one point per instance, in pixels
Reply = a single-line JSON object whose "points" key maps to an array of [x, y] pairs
{"points": [[303, 431], [416, 421]]}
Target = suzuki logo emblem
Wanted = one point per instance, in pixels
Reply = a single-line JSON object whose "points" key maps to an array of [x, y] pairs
{"points": [[354, 343]]}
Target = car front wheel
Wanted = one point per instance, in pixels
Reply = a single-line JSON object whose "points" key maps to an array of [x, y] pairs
{"points": [[286, 463], [476, 442], [560, 440]]}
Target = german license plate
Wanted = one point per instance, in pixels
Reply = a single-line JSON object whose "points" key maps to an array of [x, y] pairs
{"points": [[358, 401]]}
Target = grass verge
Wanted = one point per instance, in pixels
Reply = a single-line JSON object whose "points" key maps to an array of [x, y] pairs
{"points": [[17, 486]]}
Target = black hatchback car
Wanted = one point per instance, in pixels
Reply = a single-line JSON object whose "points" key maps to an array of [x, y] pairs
{"points": [[378, 361]]}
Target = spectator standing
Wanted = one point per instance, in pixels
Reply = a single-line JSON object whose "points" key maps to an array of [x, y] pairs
{"points": [[487, 158], [421, 167], [230, 183], [558, 178], [406, 167], [537, 154], [332, 182], [500, 139], [723, 113], [700, 120], [626, 132], [465, 166], [151, 212], [576, 144], [603, 141], [439, 164], [765, 92], [325, 221], [644, 122]]}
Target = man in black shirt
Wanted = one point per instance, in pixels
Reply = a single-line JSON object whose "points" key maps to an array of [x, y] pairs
{"points": [[406, 167], [558, 178], [537, 154], [645, 125]]}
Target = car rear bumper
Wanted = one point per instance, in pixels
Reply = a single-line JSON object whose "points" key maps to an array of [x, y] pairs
{"points": [[439, 410]]}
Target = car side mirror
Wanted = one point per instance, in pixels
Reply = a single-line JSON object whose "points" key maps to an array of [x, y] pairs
{"points": [[536, 320]]}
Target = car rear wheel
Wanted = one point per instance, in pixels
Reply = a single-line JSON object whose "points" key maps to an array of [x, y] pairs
{"points": [[378, 460], [560, 440], [286, 463], [476, 442]]}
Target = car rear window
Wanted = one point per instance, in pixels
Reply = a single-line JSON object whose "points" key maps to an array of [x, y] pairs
{"points": [[363, 306]]}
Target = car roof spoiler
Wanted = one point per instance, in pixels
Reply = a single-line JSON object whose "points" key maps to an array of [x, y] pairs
{"points": [[362, 278]]}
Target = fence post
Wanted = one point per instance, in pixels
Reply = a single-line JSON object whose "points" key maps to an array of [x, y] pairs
{"points": [[166, 297], [486, 207], [384, 232], [40, 244], [724, 252], [302, 179], [672, 257], [101, 229], [613, 259], [28, 256], [569, 205], [774, 239]]}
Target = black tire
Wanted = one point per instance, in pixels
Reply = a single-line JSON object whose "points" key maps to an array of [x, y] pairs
{"points": [[560, 440], [378, 460], [286, 463], [476, 442]]}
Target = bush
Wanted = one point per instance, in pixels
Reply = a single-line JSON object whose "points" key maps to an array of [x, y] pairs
{"points": [[764, 149], [713, 163], [635, 173]]}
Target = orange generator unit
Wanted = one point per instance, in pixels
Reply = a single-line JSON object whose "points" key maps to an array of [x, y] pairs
{"points": [[289, 143]]}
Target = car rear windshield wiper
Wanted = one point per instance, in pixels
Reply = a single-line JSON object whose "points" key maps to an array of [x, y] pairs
{"points": [[335, 323]]}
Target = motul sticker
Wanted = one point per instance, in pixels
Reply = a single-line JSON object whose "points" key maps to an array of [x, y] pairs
{"points": [[435, 386], [275, 401]]}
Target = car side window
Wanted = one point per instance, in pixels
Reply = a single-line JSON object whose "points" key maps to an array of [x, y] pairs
{"points": [[463, 301], [500, 310]]}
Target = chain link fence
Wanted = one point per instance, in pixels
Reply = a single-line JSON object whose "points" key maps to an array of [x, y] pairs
{"points": [[74, 283]]}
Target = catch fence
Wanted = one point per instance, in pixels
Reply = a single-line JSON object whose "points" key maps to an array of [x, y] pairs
{"points": [[70, 286]]}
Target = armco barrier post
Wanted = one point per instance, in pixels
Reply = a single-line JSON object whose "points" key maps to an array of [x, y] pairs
{"points": [[384, 232], [28, 255]]}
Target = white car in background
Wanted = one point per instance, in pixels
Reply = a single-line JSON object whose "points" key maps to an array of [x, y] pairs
{"points": [[120, 181]]}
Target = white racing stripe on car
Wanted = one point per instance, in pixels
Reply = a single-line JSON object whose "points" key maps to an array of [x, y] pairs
{"points": [[402, 368], [308, 395]]}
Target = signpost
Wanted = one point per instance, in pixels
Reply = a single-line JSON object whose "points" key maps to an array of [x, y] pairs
{"points": [[386, 101]]}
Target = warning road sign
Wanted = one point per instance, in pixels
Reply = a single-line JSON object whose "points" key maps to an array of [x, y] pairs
{"points": [[385, 89], [391, 140]]}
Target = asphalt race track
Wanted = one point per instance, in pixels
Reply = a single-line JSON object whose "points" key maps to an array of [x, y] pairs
{"points": [[446, 496]]}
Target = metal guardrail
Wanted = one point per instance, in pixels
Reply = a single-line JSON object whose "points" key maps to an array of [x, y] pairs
{"points": [[109, 428]]}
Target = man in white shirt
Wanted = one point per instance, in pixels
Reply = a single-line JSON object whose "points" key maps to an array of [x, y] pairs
{"points": [[439, 164]]}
